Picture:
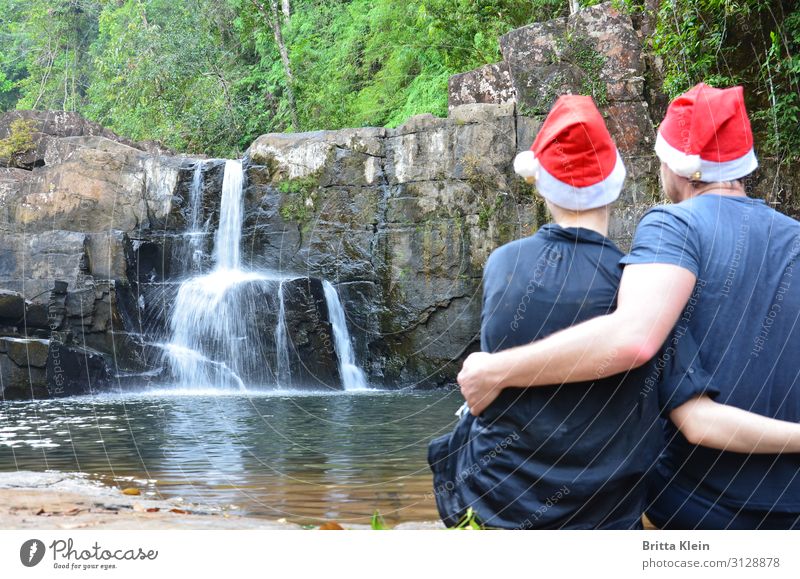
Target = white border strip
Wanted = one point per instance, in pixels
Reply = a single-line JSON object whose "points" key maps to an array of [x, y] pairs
{"points": [[582, 198], [710, 171]]}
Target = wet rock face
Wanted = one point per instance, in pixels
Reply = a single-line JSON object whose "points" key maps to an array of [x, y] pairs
{"points": [[401, 220], [241, 341], [75, 370], [22, 368], [70, 218]]}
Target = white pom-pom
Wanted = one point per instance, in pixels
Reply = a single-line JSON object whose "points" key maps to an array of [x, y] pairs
{"points": [[526, 164]]}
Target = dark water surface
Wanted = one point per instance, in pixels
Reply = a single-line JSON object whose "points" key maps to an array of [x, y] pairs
{"points": [[304, 457]]}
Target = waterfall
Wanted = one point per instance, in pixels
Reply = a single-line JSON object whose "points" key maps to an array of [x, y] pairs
{"points": [[226, 242], [222, 322], [352, 376], [196, 226], [210, 318], [282, 343]]}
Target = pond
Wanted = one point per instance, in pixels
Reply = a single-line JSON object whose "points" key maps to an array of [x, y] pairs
{"points": [[303, 457]]}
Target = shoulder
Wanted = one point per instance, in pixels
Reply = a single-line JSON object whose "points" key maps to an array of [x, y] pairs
{"points": [[680, 212], [513, 251]]}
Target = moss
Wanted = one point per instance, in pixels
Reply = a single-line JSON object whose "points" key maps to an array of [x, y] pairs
{"points": [[299, 198], [523, 191], [523, 110], [489, 199], [488, 210], [18, 142], [427, 250], [579, 52]]}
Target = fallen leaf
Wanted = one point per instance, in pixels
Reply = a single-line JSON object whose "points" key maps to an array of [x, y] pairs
{"points": [[331, 526], [179, 511], [40, 512], [153, 510], [134, 492]]}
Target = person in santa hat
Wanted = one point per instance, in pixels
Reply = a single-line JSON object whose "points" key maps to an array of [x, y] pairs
{"points": [[565, 456], [718, 267]]}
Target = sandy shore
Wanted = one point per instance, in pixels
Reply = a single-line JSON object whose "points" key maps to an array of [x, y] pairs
{"points": [[61, 501]]}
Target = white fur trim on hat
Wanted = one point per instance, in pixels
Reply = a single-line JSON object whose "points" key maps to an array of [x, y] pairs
{"points": [[582, 198], [693, 166], [526, 164]]}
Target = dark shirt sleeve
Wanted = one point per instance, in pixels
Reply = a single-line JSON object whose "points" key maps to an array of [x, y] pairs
{"points": [[683, 377], [664, 235]]}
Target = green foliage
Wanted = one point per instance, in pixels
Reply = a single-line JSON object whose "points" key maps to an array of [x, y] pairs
{"points": [[750, 42], [18, 141], [162, 72], [781, 76], [377, 523], [579, 52], [206, 76], [377, 63], [48, 51], [469, 522], [299, 198]]}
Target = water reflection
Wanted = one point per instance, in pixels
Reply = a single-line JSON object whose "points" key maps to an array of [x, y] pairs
{"points": [[301, 457]]}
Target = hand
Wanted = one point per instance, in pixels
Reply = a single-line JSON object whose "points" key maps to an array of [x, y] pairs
{"points": [[479, 386]]}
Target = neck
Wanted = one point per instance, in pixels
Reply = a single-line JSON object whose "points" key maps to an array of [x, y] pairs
{"points": [[728, 188], [595, 219]]}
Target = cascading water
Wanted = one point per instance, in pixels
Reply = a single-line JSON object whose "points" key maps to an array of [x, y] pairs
{"points": [[207, 323], [352, 376], [196, 229], [226, 241], [282, 342], [219, 323]]}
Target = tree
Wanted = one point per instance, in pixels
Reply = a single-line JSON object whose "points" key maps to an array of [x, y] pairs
{"points": [[273, 18]]}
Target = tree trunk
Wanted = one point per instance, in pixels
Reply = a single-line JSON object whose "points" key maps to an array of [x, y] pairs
{"points": [[574, 6], [273, 17], [286, 6]]}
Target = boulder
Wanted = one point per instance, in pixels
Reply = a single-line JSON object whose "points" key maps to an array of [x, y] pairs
{"points": [[22, 372], [74, 370], [49, 126], [594, 51], [490, 84], [26, 352], [12, 307]]}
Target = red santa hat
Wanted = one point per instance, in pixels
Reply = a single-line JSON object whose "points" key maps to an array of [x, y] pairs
{"points": [[573, 159], [706, 135]]}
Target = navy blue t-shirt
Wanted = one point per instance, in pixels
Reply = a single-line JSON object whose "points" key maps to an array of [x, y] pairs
{"points": [[744, 315], [566, 456]]}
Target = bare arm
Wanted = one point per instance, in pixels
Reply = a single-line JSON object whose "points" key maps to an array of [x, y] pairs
{"points": [[651, 299], [707, 423]]}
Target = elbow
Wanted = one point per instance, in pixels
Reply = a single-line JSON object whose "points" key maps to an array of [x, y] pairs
{"points": [[693, 433], [690, 420], [637, 352]]}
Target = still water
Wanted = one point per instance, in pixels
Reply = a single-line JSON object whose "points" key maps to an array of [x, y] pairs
{"points": [[305, 457]]}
